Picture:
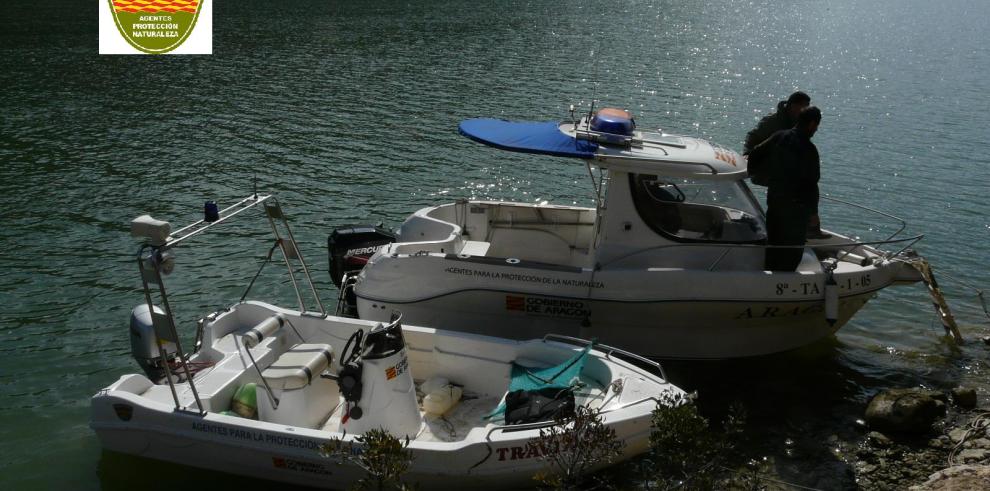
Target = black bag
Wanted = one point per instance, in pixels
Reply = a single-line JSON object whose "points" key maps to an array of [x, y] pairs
{"points": [[759, 170], [531, 406]]}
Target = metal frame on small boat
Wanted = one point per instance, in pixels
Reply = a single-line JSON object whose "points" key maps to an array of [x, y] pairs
{"points": [[180, 409]]}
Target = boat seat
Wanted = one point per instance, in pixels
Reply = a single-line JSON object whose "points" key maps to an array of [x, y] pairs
{"points": [[297, 367], [529, 245], [474, 248]]}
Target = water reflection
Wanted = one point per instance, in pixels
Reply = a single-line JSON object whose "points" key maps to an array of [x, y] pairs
{"points": [[348, 112]]}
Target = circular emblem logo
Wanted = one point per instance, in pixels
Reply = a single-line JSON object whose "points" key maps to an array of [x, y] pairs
{"points": [[155, 26]]}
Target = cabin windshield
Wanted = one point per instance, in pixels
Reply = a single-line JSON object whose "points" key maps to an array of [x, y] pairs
{"points": [[697, 210]]}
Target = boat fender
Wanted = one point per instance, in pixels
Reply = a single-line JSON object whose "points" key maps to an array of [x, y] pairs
{"points": [[245, 401], [262, 330], [831, 300], [442, 399]]}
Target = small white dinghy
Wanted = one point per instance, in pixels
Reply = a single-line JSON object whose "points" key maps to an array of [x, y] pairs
{"points": [[319, 377]]}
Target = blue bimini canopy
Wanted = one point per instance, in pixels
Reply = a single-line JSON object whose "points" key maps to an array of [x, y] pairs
{"points": [[527, 137]]}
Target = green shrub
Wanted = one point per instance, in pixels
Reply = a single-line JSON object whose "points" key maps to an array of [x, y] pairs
{"points": [[573, 447], [686, 453], [382, 456]]}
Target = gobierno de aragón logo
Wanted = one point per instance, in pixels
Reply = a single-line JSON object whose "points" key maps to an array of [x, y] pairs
{"points": [[155, 26]]}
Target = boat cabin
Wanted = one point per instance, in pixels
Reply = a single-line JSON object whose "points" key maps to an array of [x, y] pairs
{"points": [[662, 201]]}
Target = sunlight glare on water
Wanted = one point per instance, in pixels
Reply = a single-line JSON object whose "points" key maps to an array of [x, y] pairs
{"points": [[348, 111]]}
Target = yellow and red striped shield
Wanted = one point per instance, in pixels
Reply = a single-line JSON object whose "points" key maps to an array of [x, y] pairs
{"points": [[155, 26]]}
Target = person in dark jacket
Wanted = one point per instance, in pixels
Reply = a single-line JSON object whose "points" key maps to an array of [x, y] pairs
{"points": [[793, 169], [783, 119]]}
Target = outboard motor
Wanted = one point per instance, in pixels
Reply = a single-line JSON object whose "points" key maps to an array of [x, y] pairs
{"points": [[144, 347], [350, 247], [377, 385]]}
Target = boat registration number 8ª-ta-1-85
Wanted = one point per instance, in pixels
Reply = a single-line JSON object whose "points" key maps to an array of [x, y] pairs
{"points": [[811, 288]]}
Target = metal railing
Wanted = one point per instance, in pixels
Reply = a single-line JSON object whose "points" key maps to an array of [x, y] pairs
{"points": [[153, 264], [711, 168], [872, 210], [909, 241], [608, 350], [545, 424]]}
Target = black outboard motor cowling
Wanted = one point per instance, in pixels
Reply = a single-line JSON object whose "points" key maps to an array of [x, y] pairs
{"points": [[349, 248]]}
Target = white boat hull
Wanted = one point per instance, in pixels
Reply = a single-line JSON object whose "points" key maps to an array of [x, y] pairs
{"points": [[291, 455], [665, 313], [669, 263], [137, 417], [718, 329]]}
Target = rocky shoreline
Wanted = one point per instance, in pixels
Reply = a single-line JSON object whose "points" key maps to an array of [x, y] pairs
{"points": [[924, 440]]}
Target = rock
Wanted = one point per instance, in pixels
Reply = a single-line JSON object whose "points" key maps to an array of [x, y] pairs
{"points": [[957, 434], [957, 477], [878, 439], [905, 410], [981, 443], [972, 455], [964, 397], [986, 340]]}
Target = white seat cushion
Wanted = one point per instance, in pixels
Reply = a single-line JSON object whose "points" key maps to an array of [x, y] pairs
{"points": [[298, 366]]}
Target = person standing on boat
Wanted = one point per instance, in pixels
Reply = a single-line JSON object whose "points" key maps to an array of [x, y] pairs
{"points": [[783, 119], [793, 169]]}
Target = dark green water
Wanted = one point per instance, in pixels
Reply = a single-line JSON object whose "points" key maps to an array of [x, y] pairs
{"points": [[348, 112]]}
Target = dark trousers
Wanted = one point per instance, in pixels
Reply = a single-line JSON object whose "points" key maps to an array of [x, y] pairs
{"points": [[787, 224]]}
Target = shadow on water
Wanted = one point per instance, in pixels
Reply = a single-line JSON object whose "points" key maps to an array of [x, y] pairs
{"points": [[121, 472], [341, 108], [793, 402], [802, 406]]}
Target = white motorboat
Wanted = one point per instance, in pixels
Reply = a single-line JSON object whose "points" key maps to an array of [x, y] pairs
{"points": [[315, 378], [669, 263]]}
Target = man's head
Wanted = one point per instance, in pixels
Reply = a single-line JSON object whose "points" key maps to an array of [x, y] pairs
{"points": [[796, 102], [808, 120]]}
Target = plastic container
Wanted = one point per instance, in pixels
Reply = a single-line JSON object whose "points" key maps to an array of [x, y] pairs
{"points": [[245, 401], [432, 384], [441, 400]]}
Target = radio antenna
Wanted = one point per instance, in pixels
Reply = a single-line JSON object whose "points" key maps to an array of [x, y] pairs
{"points": [[594, 88], [255, 174], [591, 108]]}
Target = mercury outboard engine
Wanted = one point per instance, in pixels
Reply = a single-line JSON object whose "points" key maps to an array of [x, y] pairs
{"points": [[144, 347], [350, 247], [376, 383]]}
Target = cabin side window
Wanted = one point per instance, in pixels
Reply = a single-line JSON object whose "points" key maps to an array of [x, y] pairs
{"points": [[697, 210]]}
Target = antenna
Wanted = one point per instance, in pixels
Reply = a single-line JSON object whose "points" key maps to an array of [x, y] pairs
{"points": [[255, 174], [591, 108], [595, 80]]}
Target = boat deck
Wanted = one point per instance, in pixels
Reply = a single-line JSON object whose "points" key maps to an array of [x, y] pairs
{"points": [[469, 415]]}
